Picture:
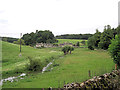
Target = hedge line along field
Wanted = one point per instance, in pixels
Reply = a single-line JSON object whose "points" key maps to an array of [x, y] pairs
{"points": [[67, 69], [11, 61]]}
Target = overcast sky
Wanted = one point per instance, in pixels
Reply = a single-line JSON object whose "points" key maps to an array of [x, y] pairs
{"points": [[58, 16]]}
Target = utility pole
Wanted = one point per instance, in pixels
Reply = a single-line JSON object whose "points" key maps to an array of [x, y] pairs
{"points": [[20, 44], [20, 41]]}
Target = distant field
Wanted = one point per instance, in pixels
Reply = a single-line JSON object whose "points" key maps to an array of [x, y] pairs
{"points": [[71, 68], [73, 41]]}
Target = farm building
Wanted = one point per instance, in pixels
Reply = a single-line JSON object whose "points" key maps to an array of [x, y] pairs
{"points": [[44, 45], [65, 44]]}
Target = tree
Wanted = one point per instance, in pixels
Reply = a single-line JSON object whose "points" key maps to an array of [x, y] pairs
{"points": [[118, 29], [71, 49], [97, 36], [114, 50], [91, 43], [78, 44], [94, 40], [83, 42], [66, 49], [106, 38], [39, 37], [18, 42]]}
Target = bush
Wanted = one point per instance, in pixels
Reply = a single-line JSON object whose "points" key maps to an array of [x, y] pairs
{"points": [[83, 42], [66, 49], [90, 47], [114, 50], [18, 42], [78, 44], [34, 65]]}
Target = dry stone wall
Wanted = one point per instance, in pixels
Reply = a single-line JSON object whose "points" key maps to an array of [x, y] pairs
{"points": [[105, 81]]}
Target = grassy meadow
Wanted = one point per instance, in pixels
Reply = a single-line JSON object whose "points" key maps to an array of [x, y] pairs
{"points": [[66, 69]]}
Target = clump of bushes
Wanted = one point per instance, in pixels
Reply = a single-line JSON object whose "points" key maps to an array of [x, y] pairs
{"points": [[114, 50], [34, 64], [66, 49]]}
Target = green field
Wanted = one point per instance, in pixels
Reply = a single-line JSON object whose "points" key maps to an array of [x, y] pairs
{"points": [[71, 68], [73, 41]]}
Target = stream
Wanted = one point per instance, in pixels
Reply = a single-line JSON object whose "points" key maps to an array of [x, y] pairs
{"points": [[11, 79]]}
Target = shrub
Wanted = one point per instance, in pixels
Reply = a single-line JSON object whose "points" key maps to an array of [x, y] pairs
{"points": [[83, 42], [114, 50], [71, 49], [34, 65], [78, 44], [90, 47], [66, 49]]}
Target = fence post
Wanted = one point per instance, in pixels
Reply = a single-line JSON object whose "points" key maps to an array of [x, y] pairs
{"points": [[89, 74], [115, 66]]}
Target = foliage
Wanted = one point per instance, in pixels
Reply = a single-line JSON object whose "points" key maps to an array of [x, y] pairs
{"points": [[71, 49], [18, 42], [106, 38], [118, 30], [78, 44], [90, 47], [91, 43], [66, 49], [9, 39], [97, 36], [103, 40], [83, 42], [35, 64], [94, 40], [39, 37], [74, 36], [114, 50]]}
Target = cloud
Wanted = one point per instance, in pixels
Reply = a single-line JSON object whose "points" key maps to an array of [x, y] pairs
{"points": [[2, 11], [3, 21]]}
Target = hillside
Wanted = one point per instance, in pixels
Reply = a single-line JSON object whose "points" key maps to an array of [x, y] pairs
{"points": [[12, 61], [67, 69]]}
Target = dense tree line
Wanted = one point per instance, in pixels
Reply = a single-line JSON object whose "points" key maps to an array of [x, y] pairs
{"points": [[9, 39], [103, 39], [74, 36], [39, 37]]}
